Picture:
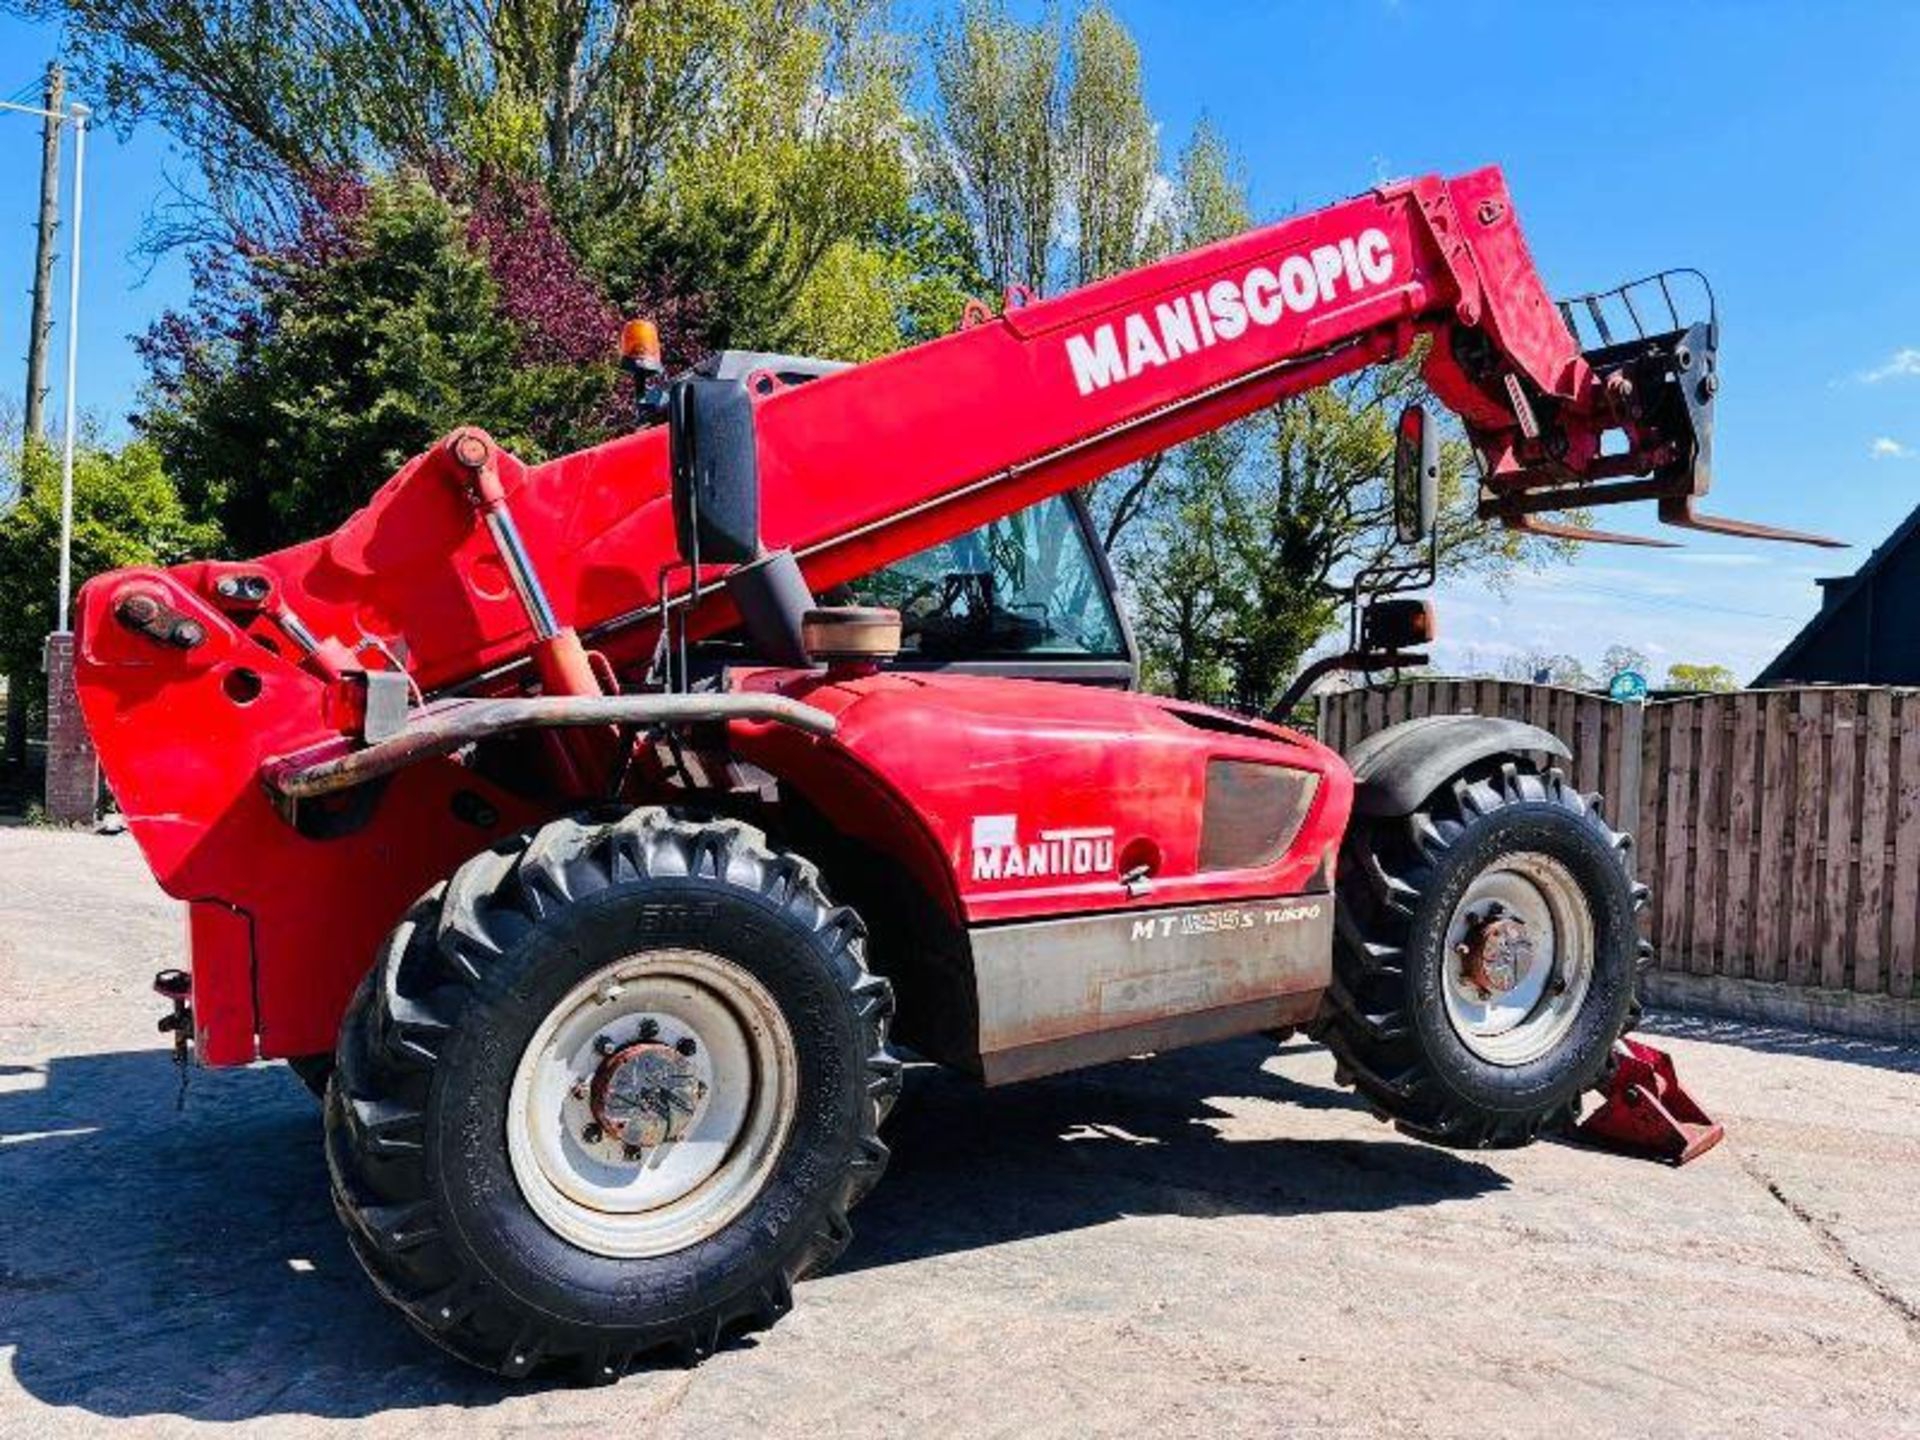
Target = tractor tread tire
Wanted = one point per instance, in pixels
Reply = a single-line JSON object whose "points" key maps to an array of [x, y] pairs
{"points": [[314, 1072], [1371, 1018], [445, 966]]}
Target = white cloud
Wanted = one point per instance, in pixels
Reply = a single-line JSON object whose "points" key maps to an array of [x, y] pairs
{"points": [[1902, 364], [1888, 448]]}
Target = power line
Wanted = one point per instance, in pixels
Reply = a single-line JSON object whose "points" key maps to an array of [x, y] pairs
{"points": [[1670, 602], [1676, 603]]}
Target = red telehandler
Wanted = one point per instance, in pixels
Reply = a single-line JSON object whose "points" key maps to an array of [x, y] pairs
{"points": [[510, 812]]}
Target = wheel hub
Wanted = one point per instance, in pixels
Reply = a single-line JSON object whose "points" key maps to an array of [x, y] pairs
{"points": [[1498, 952], [1519, 958], [648, 1094], [650, 1105]]}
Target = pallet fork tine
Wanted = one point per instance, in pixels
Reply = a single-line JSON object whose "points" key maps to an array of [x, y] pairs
{"points": [[1552, 529], [1678, 511]]}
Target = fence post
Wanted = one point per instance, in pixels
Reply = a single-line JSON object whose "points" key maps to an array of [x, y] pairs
{"points": [[1633, 720]]}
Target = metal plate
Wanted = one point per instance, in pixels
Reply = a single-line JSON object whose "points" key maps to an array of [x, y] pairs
{"points": [[1058, 994]]}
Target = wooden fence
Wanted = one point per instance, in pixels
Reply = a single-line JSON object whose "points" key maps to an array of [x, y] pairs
{"points": [[1779, 829]]}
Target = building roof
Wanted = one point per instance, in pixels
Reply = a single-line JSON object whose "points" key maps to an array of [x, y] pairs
{"points": [[1835, 593]]}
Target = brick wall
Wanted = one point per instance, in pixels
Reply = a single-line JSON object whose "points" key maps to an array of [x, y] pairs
{"points": [[73, 772]]}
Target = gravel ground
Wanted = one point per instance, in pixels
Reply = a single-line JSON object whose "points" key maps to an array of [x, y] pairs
{"points": [[1217, 1242]]}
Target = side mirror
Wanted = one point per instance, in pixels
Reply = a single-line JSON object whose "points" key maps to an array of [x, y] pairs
{"points": [[716, 471], [1416, 476]]}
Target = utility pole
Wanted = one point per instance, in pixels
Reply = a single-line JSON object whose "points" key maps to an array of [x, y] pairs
{"points": [[73, 771], [13, 751], [42, 324], [73, 774]]}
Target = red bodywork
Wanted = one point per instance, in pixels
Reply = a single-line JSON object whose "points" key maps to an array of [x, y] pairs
{"points": [[858, 469]]}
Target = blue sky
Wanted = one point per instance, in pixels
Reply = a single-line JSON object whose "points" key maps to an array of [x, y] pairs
{"points": [[1772, 145]]}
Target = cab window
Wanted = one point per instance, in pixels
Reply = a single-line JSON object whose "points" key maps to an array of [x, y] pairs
{"points": [[1024, 587]]}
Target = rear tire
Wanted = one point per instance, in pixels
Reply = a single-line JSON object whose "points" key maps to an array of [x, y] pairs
{"points": [[314, 1072], [481, 1194], [1447, 1056]]}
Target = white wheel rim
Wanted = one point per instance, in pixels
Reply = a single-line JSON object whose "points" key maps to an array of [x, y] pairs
{"points": [[1517, 1025], [719, 1037]]}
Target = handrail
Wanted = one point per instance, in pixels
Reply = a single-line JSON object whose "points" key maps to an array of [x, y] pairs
{"points": [[444, 728]]}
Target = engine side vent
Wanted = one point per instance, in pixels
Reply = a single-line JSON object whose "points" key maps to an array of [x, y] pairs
{"points": [[1252, 812]]}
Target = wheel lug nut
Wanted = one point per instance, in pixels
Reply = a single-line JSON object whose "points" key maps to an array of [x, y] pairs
{"points": [[591, 1134], [649, 1029], [633, 1152], [603, 1045], [686, 1045]]}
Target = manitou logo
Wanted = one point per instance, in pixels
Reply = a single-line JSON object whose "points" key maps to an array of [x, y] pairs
{"points": [[1224, 310], [998, 853]]}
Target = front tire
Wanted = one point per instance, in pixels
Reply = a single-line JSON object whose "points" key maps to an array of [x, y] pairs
{"points": [[610, 1090], [1485, 958]]}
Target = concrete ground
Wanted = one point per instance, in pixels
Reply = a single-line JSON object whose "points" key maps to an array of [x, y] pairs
{"points": [[1217, 1242]]}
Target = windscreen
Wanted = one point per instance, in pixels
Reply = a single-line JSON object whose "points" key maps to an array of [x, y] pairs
{"points": [[1027, 586]]}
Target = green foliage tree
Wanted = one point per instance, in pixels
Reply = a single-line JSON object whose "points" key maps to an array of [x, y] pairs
{"points": [[1042, 147], [341, 357], [1272, 518], [783, 190], [1040, 140], [1180, 582], [1705, 679], [753, 147], [1209, 203], [125, 512]]}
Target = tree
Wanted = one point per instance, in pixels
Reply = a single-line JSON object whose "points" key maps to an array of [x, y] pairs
{"points": [[1706, 679], [600, 100], [745, 142], [1619, 658], [781, 194], [1181, 584], [1041, 147], [1041, 143], [1288, 506], [1109, 150], [125, 512], [990, 152], [1544, 667], [308, 373]]}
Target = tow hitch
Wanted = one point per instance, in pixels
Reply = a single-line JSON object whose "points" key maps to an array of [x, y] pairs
{"points": [[177, 986], [1647, 1112]]}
